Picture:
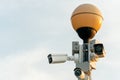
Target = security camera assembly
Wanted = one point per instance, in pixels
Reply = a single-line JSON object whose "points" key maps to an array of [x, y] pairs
{"points": [[86, 21]]}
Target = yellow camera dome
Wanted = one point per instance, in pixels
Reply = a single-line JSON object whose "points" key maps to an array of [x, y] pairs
{"points": [[86, 16]]}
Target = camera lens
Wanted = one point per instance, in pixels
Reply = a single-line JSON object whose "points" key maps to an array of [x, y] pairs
{"points": [[98, 49], [77, 72], [50, 58]]}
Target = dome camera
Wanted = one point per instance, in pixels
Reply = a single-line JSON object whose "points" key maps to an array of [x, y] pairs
{"points": [[86, 20], [79, 73]]}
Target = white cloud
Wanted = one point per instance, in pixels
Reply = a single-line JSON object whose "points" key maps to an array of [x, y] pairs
{"points": [[22, 66]]}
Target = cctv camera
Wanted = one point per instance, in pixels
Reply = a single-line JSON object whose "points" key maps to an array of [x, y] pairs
{"points": [[99, 50], [57, 58], [86, 21], [78, 73]]}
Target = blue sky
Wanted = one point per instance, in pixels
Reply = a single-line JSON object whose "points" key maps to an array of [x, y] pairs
{"points": [[31, 29]]}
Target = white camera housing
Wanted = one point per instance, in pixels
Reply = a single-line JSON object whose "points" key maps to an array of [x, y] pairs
{"points": [[57, 58], [93, 45]]}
